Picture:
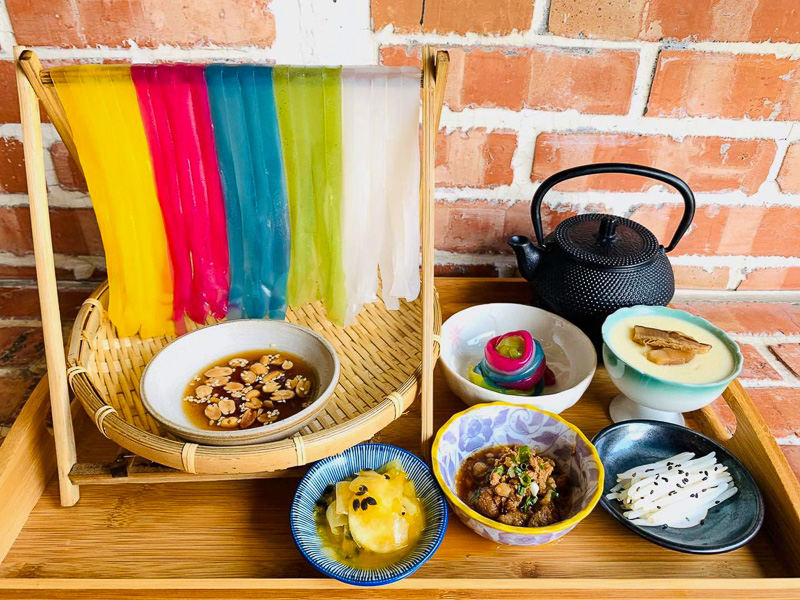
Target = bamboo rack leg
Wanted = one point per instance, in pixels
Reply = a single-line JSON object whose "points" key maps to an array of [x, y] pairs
{"points": [[46, 277], [428, 165]]}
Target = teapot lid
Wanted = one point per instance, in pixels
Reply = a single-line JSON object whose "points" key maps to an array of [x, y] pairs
{"points": [[606, 241]]}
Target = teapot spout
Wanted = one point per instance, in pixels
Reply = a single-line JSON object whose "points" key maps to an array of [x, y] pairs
{"points": [[528, 255]]}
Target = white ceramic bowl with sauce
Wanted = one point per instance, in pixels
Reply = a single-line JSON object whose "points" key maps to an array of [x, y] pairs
{"points": [[165, 379], [568, 351]]}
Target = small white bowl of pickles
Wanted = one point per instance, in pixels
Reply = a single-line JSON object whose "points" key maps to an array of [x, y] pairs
{"points": [[240, 382], [568, 352]]}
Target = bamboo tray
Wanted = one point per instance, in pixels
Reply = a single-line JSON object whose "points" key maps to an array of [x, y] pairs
{"points": [[381, 365], [231, 539]]}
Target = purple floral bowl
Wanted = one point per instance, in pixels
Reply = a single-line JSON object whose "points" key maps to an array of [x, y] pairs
{"points": [[499, 423]]}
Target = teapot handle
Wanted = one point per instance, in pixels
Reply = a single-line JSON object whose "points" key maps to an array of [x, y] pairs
{"points": [[627, 168]]}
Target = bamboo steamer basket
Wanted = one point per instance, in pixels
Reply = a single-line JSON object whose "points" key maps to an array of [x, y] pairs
{"points": [[380, 373]]}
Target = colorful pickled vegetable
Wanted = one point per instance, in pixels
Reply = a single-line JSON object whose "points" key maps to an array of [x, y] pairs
{"points": [[513, 363]]}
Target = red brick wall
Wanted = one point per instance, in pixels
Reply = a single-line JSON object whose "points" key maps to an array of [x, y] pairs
{"points": [[709, 91]]}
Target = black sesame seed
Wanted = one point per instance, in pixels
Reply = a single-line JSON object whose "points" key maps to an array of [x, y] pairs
{"points": [[387, 477], [371, 501], [702, 521], [672, 493], [669, 468], [360, 493], [663, 526], [658, 507], [364, 504], [355, 504], [634, 475], [362, 488], [716, 501], [647, 470], [704, 478]]}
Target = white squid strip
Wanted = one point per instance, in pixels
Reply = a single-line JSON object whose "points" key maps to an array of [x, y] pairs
{"points": [[676, 492], [662, 485], [646, 468], [662, 488], [680, 489], [673, 511], [683, 496], [673, 469], [694, 518], [682, 492]]}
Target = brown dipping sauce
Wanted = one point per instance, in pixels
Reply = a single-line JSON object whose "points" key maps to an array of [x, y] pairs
{"points": [[515, 486], [249, 389]]}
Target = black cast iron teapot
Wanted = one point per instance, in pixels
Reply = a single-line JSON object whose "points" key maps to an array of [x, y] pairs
{"points": [[593, 264]]}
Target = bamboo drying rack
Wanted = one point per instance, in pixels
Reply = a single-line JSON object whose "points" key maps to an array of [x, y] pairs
{"points": [[35, 85]]}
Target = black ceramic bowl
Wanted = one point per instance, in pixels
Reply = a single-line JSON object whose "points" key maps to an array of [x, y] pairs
{"points": [[728, 526]]}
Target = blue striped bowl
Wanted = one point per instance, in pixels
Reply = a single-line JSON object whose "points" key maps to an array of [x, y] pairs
{"points": [[341, 466]]}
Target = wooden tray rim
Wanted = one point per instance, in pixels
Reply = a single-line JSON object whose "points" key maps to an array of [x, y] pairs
{"points": [[678, 585]]}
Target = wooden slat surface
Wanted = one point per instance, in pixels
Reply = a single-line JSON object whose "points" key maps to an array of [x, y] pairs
{"points": [[240, 528], [64, 433]]}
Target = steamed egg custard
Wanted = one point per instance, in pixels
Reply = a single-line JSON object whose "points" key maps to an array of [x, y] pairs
{"points": [[688, 354], [372, 520]]}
